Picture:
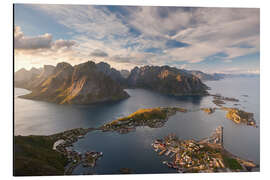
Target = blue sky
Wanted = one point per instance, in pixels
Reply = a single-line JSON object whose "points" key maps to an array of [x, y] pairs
{"points": [[223, 40]]}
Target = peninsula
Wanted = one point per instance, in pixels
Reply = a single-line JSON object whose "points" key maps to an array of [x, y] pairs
{"points": [[51, 155], [151, 117], [206, 155]]}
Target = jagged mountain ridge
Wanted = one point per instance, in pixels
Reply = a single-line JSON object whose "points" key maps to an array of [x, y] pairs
{"points": [[79, 84], [88, 82], [166, 80]]}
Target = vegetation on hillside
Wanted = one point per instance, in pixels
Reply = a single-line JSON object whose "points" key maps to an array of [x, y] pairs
{"points": [[34, 156]]}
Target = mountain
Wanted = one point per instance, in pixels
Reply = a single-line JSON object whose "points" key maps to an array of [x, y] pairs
{"points": [[113, 73], [204, 76], [80, 84], [22, 77], [166, 80]]}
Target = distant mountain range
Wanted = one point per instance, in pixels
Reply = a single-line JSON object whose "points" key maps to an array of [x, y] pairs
{"points": [[89, 82]]}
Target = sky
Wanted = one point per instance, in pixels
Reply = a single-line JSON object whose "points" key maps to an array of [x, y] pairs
{"points": [[213, 40]]}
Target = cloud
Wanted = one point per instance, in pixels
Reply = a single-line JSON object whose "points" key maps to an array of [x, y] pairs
{"points": [[60, 43], [38, 42], [98, 53], [240, 71], [41, 49], [22, 42], [128, 36]]}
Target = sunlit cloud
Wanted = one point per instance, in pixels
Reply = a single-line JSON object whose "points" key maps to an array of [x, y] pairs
{"points": [[135, 36]]}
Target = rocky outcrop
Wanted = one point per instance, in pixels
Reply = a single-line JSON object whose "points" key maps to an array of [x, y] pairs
{"points": [[166, 80], [81, 84]]}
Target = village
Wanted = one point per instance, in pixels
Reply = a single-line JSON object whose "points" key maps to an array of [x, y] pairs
{"points": [[65, 142], [206, 155]]}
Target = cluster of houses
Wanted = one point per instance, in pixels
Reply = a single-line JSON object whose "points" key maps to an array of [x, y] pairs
{"points": [[217, 137], [129, 124], [188, 155], [65, 142], [90, 158], [124, 127]]}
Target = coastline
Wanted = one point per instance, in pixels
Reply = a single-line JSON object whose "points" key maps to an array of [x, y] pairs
{"points": [[226, 150]]}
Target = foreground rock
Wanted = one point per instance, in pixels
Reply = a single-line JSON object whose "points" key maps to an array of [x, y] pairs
{"points": [[85, 83], [152, 117], [207, 155], [166, 80]]}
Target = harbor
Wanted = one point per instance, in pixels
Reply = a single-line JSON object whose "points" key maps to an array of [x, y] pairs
{"points": [[206, 155], [64, 146]]}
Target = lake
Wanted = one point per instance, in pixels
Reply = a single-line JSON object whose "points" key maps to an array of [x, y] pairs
{"points": [[133, 150]]}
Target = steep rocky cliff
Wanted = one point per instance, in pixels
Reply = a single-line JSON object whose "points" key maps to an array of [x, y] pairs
{"points": [[166, 80], [113, 73], [81, 84]]}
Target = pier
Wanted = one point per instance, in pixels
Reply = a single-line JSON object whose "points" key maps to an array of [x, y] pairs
{"points": [[215, 138]]}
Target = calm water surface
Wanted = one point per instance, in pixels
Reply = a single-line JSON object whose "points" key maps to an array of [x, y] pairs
{"points": [[133, 150]]}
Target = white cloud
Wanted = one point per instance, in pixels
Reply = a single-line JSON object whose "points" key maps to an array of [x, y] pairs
{"points": [[41, 49], [38, 42], [208, 31]]}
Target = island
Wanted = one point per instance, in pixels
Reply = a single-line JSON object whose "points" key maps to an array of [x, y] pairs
{"points": [[206, 155], [151, 117], [220, 100], [208, 110], [239, 116]]}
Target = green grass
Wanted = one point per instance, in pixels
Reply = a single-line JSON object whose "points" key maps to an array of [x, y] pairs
{"points": [[33, 156], [144, 115], [232, 163]]}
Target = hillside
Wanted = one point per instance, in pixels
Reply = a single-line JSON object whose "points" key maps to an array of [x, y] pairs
{"points": [[33, 156], [80, 84], [166, 80]]}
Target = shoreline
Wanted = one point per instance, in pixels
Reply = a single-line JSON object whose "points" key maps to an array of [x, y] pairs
{"points": [[203, 109], [205, 155]]}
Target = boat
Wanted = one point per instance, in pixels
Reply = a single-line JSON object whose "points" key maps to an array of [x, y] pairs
{"points": [[164, 162]]}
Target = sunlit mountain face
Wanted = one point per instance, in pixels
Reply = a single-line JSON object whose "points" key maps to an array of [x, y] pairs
{"points": [[213, 40]]}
